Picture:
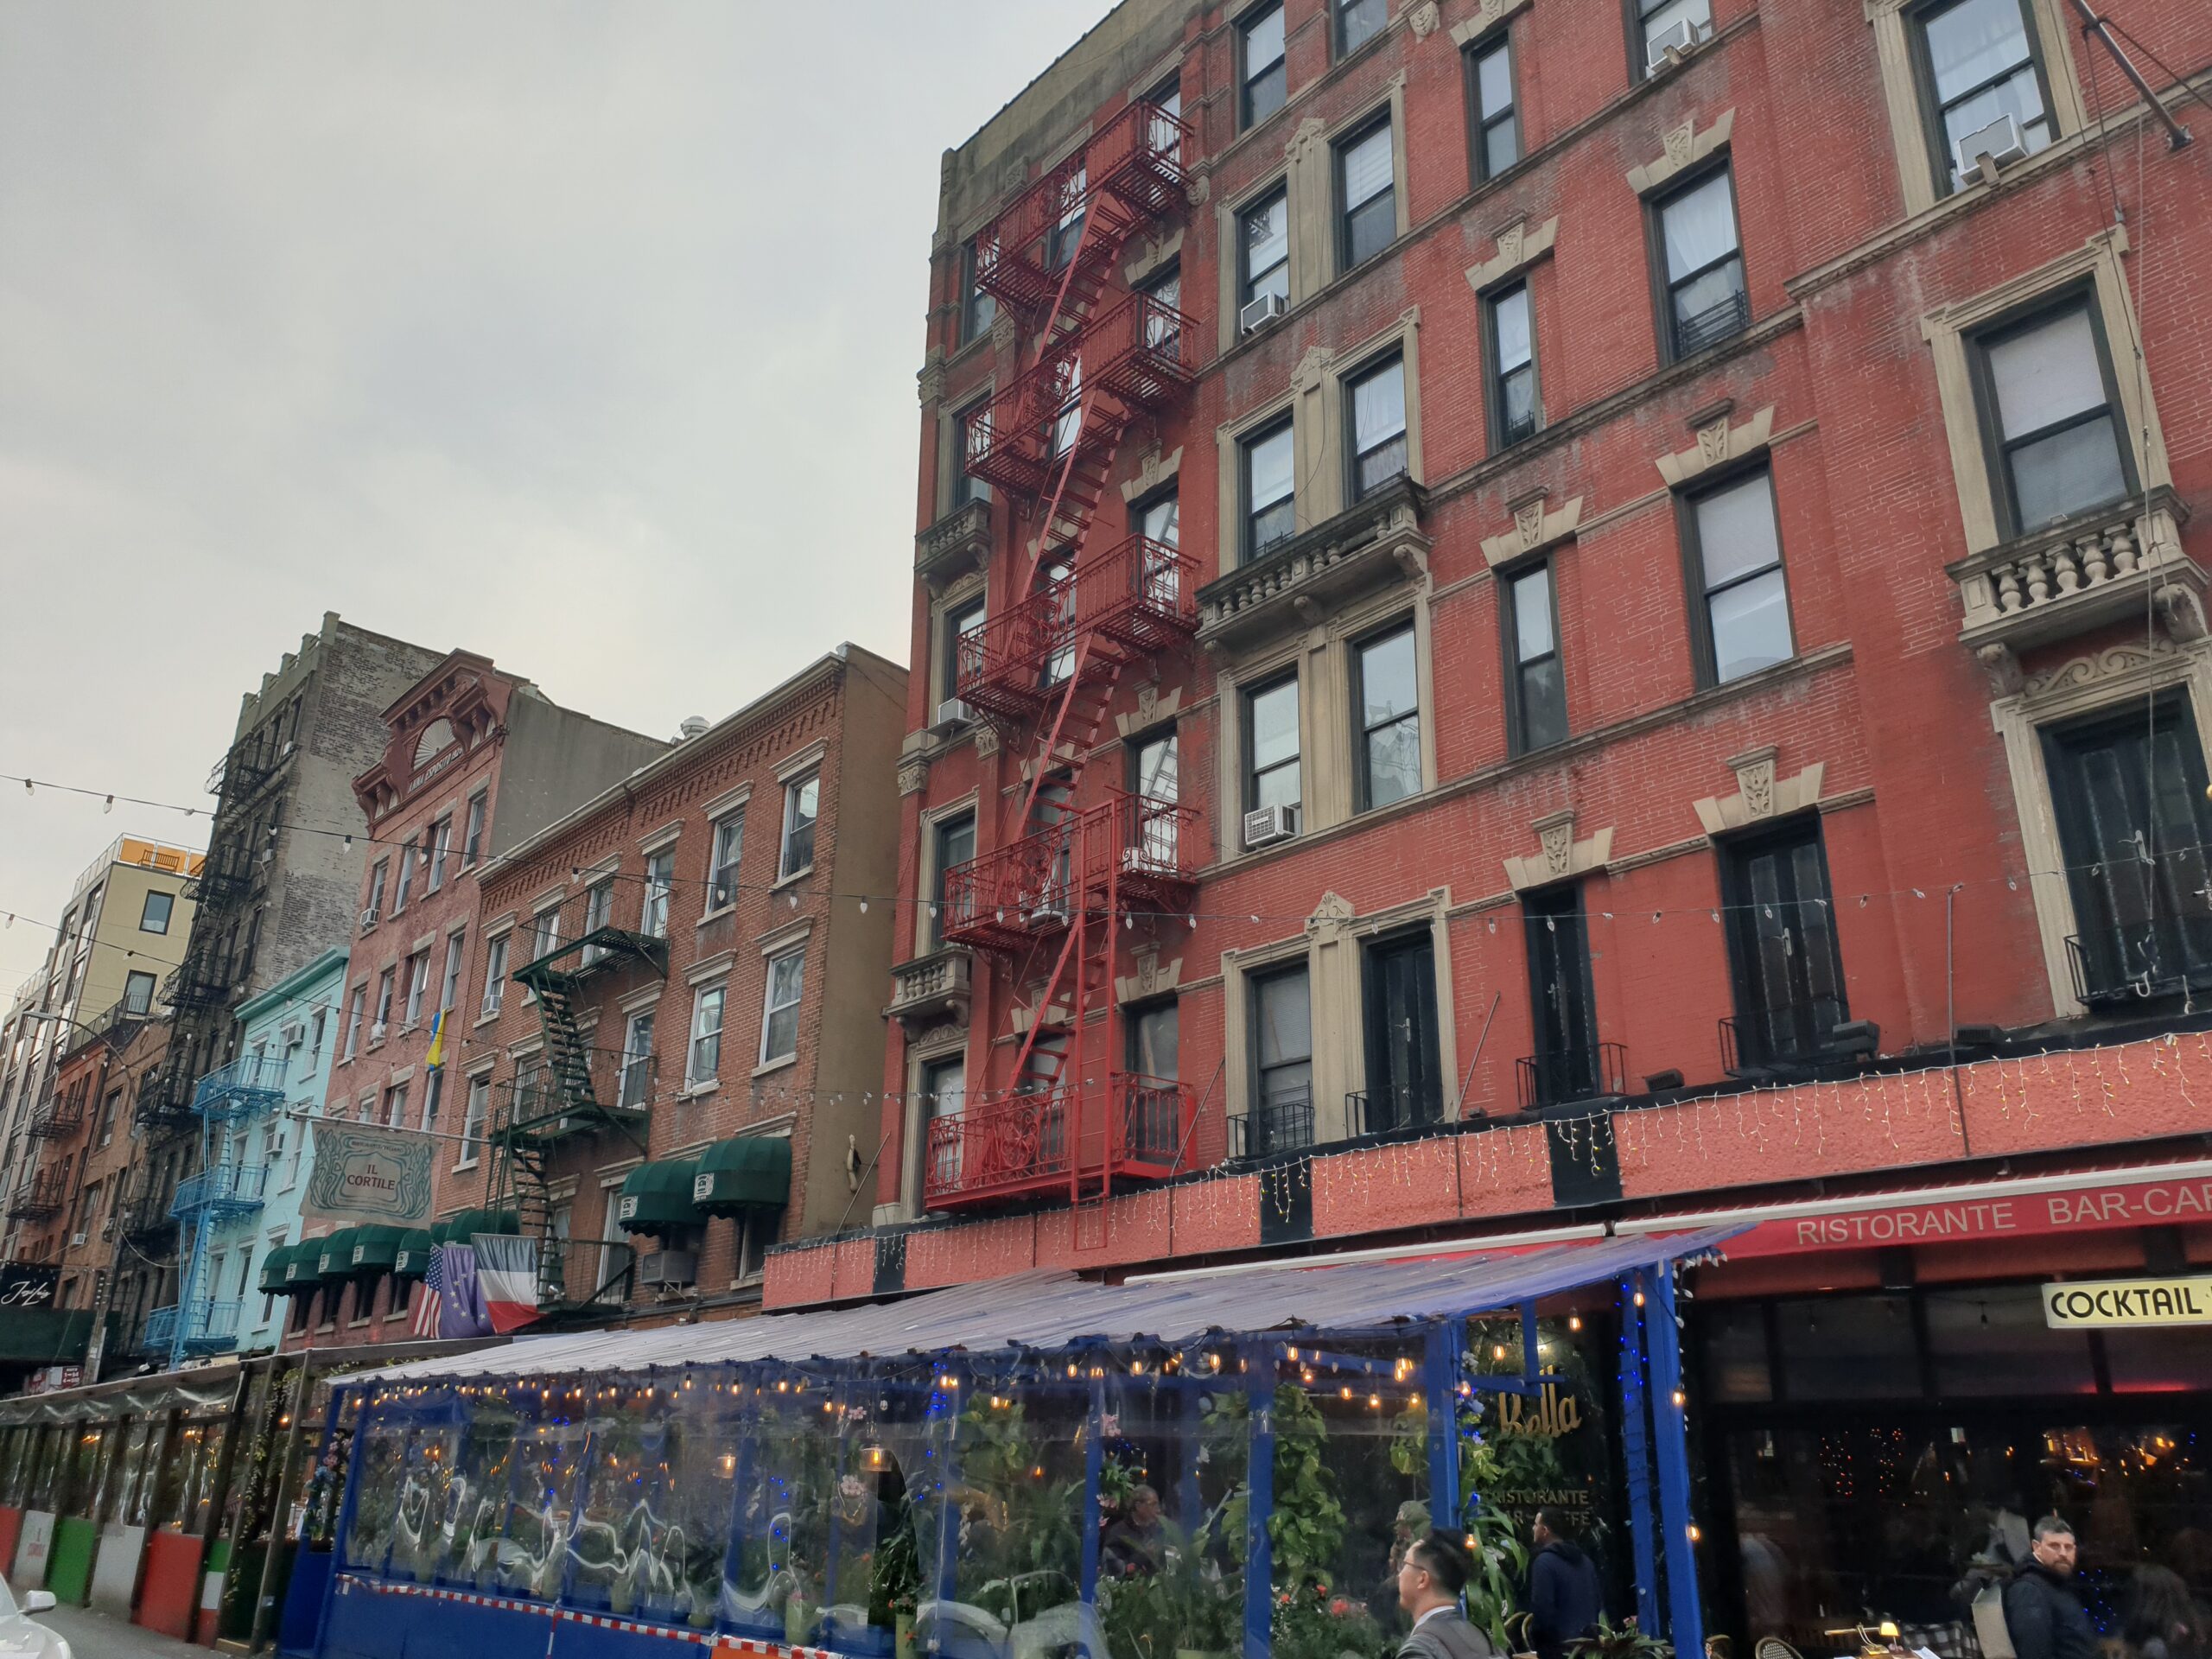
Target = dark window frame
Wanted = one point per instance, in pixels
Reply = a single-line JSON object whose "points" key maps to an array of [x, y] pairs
{"points": [[1247, 696], [1338, 51], [1493, 367], [1500, 39], [941, 832], [1358, 134], [973, 327], [1246, 285], [146, 910], [1246, 120], [966, 489], [978, 607], [1734, 854], [1298, 968], [1638, 38], [1695, 591], [1931, 106], [1517, 715], [1546, 908], [2044, 309], [1247, 512], [1390, 357], [1654, 209], [1361, 733], [1132, 1019]]}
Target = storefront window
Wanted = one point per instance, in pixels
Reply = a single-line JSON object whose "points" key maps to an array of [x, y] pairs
{"points": [[16, 1465], [1735, 1352], [1847, 1348], [477, 1496], [1995, 1341]]}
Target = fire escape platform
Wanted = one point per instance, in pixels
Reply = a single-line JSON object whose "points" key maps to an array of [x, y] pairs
{"points": [[600, 950], [1133, 1129]]}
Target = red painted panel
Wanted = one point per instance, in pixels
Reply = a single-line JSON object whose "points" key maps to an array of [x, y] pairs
{"points": [[1223, 1214], [11, 1528], [168, 1599]]}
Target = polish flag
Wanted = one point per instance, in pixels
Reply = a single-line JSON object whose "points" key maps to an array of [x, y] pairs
{"points": [[507, 1278]]}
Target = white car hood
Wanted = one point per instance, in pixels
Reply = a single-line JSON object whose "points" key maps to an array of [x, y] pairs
{"points": [[26, 1638]]}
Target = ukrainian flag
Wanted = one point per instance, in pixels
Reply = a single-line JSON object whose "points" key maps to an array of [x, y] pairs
{"points": [[436, 1058]]}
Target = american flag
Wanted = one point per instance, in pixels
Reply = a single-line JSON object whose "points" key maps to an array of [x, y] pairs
{"points": [[428, 1299]]}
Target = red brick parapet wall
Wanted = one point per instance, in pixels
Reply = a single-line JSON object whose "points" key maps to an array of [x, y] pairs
{"points": [[2067, 1100]]}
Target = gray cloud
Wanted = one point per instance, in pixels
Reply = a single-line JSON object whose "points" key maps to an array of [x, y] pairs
{"points": [[583, 335]]}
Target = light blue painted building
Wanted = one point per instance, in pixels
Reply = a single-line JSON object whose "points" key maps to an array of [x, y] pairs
{"points": [[256, 1157]]}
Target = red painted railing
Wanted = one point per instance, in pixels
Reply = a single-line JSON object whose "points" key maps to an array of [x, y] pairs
{"points": [[1134, 1127], [1139, 593], [1011, 895]]}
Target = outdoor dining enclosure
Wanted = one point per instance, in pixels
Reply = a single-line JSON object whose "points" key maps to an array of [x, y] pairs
{"points": [[1038, 1466]]}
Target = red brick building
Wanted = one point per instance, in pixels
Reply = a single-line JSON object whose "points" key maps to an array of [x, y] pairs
{"points": [[1549, 616], [673, 1032], [477, 761]]}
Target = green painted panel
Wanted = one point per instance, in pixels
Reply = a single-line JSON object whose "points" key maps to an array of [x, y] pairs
{"points": [[69, 1568], [219, 1555]]}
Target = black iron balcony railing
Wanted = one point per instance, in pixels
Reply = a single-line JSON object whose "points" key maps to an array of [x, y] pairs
{"points": [[1784, 1037], [39, 1197], [2135, 965], [1281, 1122], [1380, 1111], [1584, 1072], [1731, 316], [56, 1113]]}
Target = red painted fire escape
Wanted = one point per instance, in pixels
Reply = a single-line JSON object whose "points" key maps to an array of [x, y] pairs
{"points": [[1070, 877]]}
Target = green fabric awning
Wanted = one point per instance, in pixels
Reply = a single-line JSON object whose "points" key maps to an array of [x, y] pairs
{"points": [[458, 1229], [334, 1255], [303, 1273], [412, 1259], [274, 1266], [657, 1198], [375, 1244], [753, 1172]]}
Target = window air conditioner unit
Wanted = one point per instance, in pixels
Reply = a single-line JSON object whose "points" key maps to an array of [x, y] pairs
{"points": [[293, 1034], [1046, 913], [1271, 824], [289, 749], [1673, 43], [76, 1241], [368, 919], [669, 1270], [952, 714], [1998, 143], [378, 1031], [1268, 308]]}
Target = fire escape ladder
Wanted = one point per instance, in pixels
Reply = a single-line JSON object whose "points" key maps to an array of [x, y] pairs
{"points": [[1063, 748], [566, 1055]]}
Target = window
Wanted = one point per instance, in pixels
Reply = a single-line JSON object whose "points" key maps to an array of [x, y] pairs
{"points": [[1494, 122], [1271, 746], [406, 878], [962, 624], [978, 310], [1366, 196], [545, 933], [383, 1005], [1067, 229], [1163, 317], [354, 1005], [970, 426], [418, 986], [944, 1097], [1405, 1074], [801, 800], [1511, 337], [472, 846], [780, 1020], [1155, 784], [1704, 265], [1535, 690], [2053, 420], [1656, 21], [660, 882], [1067, 422], [109, 1112], [1266, 81], [1282, 1062], [1263, 250], [1978, 65], [705, 1059], [1782, 947], [495, 973], [376, 873], [728, 849], [956, 844], [1736, 560], [1270, 504], [441, 840], [154, 916], [1566, 1064], [1155, 1040], [432, 1094], [1378, 426], [1390, 718], [449, 986], [1358, 22], [634, 1088], [471, 1118], [2128, 793], [395, 1106], [138, 993]]}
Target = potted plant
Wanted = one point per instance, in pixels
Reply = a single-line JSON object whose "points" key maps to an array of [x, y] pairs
{"points": [[895, 1582], [1623, 1641]]}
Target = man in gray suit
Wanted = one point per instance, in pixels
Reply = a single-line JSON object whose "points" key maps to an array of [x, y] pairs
{"points": [[1435, 1571]]}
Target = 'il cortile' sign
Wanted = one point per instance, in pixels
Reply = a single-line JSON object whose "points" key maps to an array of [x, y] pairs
{"points": [[364, 1174]]}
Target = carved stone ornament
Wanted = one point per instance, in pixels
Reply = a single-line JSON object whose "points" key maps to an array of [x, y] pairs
{"points": [[1717, 442], [1201, 187], [1680, 147], [1483, 18], [1678, 141], [2117, 663], [929, 383], [1423, 19], [1762, 792], [1306, 143], [2003, 668], [1002, 331], [1330, 916], [1518, 244], [1529, 523], [914, 774], [986, 740], [1535, 524], [1510, 241], [1313, 369], [1557, 839], [1754, 772], [1559, 855]]}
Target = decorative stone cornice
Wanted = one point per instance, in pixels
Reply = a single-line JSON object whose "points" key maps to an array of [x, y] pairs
{"points": [[1154, 706], [1518, 247], [1683, 147], [914, 774], [1313, 369], [929, 383], [1486, 16], [1331, 919], [1423, 19], [1153, 977], [1533, 528], [1717, 442], [1560, 857], [1154, 472], [1760, 794]]}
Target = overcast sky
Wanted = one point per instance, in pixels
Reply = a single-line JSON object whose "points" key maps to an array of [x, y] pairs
{"points": [[581, 335]]}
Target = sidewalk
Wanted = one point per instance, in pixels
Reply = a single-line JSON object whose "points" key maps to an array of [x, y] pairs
{"points": [[95, 1636]]}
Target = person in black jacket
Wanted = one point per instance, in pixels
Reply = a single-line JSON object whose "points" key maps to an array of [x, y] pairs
{"points": [[2043, 1614], [1565, 1599]]}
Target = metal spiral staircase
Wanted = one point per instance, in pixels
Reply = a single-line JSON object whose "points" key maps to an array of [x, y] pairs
{"points": [[1071, 874]]}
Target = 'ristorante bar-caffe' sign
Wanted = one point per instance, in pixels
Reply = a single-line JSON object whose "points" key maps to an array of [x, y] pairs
{"points": [[2103, 1303]]}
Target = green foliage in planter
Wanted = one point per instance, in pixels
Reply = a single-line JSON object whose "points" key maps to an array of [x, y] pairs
{"points": [[1029, 1523], [1306, 1524], [1613, 1641], [895, 1580], [1309, 1623], [1190, 1603]]}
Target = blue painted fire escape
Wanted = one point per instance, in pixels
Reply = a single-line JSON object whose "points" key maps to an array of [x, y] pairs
{"points": [[228, 1188]]}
